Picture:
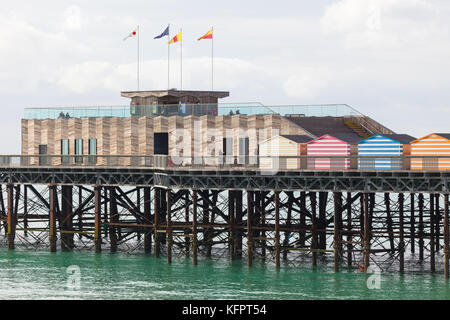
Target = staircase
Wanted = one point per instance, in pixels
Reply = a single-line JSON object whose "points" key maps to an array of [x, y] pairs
{"points": [[358, 129]]}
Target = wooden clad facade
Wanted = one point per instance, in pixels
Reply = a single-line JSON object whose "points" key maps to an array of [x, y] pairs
{"points": [[200, 136], [434, 146]]}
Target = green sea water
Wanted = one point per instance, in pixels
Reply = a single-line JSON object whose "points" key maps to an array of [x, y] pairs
{"points": [[42, 275]]}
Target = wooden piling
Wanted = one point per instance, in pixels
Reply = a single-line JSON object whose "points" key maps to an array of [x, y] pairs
{"points": [[194, 227], [250, 208], [113, 218], [238, 221], [169, 225], [11, 219], [277, 229], [412, 224], [157, 208], [97, 219], [314, 247], [66, 221], [25, 210], [187, 243], [366, 235], [401, 244], [349, 229], [421, 227], [147, 220], [52, 217], [389, 225], [432, 247], [263, 223], [231, 233], [336, 231], [437, 219], [446, 238]]}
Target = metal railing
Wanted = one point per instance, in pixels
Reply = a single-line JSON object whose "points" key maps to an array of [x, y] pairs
{"points": [[251, 108], [270, 163]]}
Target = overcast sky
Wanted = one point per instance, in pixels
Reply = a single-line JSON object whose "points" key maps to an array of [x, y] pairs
{"points": [[389, 59]]}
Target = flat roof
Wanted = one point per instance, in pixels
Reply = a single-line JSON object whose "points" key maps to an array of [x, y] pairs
{"points": [[175, 93]]}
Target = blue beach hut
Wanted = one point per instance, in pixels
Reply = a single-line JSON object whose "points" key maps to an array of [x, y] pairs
{"points": [[384, 145]]}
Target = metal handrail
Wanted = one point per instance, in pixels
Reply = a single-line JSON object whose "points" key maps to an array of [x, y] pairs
{"points": [[352, 162]]}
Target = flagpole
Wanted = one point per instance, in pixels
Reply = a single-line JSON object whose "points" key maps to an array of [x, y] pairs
{"points": [[138, 58], [168, 59], [212, 60], [181, 59]]}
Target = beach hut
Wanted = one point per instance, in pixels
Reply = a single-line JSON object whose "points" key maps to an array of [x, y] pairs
{"points": [[384, 145], [274, 152], [332, 145], [434, 146]]}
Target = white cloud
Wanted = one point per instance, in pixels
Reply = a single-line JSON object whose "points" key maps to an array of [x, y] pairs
{"points": [[307, 82], [73, 18], [383, 23]]}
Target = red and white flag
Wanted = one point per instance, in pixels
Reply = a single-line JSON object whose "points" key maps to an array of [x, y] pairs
{"points": [[132, 34]]}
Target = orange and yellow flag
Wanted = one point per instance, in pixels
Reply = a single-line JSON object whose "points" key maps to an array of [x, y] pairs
{"points": [[207, 35], [176, 38]]}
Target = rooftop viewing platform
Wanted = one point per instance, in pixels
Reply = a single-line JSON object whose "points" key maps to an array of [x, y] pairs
{"points": [[182, 109]]}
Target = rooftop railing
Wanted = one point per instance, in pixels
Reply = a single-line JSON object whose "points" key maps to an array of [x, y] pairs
{"points": [[263, 163], [333, 110]]}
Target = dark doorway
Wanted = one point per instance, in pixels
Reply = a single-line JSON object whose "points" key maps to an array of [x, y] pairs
{"points": [[161, 143], [42, 150]]}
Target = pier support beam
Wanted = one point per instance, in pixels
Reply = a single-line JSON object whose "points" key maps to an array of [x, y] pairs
{"points": [[231, 233], [250, 200], [337, 221], [314, 246], [156, 216], [194, 227], [277, 229], [349, 230], [147, 220], [401, 244], [238, 221], [412, 223], [11, 219], [66, 220], [52, 217], [421, 229], [113, 218], [432, 223], [366, 234], [169, 225], [187, 237], [97, 219], [446, 238]]}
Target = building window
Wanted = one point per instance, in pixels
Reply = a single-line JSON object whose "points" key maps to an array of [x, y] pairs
{"points": [[92, 151], [243, 150], [78, 150], [65, 150]]}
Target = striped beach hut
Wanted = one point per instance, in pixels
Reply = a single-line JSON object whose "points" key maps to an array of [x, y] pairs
{"points": [[274, 152], [332, 145], [384, 145], [434, 146]]}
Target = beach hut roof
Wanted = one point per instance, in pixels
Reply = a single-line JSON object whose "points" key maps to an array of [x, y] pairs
{"points": [[299, 138], [344, 137], [402, 138], [443, 135]]}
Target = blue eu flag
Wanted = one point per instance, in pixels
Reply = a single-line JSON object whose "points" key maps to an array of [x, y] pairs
{"points": [[165, 33]]}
